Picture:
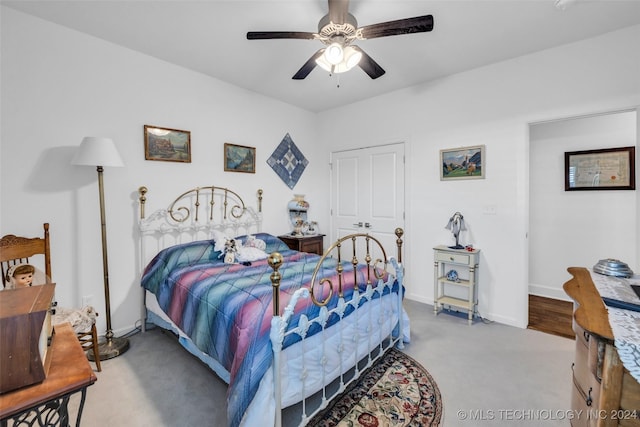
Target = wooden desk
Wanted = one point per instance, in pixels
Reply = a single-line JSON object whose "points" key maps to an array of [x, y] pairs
{"points": [[69, 373], [604, 392]]}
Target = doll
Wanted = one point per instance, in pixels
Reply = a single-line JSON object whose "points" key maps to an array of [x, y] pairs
{"points": [[20, 276], [230, 251]]}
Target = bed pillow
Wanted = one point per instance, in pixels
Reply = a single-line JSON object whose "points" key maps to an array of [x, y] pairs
{"points": [[245, 248], [273, 243], [219, 240], [252, 242], [248, 254], [250, 248]]}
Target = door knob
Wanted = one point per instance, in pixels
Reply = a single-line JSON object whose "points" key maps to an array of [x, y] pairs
{"points": [[367, 225], [359, 224]]}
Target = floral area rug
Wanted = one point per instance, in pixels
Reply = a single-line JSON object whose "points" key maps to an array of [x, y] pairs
{"points": [[396, 391]]}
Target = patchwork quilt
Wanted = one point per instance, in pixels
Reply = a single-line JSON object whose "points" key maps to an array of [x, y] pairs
{"points": [[226, 309]]}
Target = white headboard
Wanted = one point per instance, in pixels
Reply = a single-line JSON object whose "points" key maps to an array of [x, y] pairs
{"points": [[195, 215]]}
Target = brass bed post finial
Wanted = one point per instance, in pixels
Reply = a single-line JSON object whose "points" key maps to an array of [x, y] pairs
{"points": [[142, 199], [260, 199], [399, 233], [275, 260]]}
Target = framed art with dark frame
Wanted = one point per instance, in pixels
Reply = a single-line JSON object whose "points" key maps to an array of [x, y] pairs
{"points": [[462, 163], [168, 145], [603, 169], [239, 158]]}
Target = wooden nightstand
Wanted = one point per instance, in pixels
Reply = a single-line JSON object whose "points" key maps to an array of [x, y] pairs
{"points": [[313, 244]]}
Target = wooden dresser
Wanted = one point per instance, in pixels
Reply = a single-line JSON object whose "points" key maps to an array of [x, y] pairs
{"points": [[604, 394]]}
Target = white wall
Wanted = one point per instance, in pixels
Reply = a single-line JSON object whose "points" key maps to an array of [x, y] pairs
{"points": [[58, 86], [493, 106], [583, 226]]}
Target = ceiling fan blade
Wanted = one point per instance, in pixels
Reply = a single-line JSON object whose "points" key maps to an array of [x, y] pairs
{"points": [[419, 24], [265, 35], [368, 65], [308, 66], [338, 11]]}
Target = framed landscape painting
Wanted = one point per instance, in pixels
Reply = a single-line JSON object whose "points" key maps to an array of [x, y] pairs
{"points": [[462, 163], [238, 158], [169, 145]]}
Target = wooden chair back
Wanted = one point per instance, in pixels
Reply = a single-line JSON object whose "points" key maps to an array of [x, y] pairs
{"points": [[19, 250]]}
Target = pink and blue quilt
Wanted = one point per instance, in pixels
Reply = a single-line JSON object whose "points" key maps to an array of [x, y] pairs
{"points": [[226, 309]]}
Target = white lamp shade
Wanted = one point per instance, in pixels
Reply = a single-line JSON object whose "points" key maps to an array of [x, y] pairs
{"points": [[334, 54], [322, 61], [97, 151], [350, 59]]}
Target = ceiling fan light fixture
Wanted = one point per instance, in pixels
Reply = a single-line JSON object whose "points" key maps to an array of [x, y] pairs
{"points": [[352, 57], [324, 64], [338, 29], [334, 54]]}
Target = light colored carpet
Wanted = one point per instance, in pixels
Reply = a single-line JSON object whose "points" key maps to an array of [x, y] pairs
{"points": [[488, 374]]}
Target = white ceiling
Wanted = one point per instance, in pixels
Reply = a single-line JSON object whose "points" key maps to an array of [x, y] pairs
{"points": [[210, 37]]}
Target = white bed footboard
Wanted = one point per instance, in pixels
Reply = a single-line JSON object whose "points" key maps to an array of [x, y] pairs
{"points": [[356, 345]]}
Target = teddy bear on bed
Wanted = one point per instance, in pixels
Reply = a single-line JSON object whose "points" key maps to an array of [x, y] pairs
{"points": [[230, 251], [233, 250]]}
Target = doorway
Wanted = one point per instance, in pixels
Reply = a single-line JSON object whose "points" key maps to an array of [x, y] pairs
{"points": [[576, 228], [367, 192]]}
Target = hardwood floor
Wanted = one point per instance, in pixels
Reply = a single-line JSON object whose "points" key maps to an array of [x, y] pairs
{"points": [[551, 316]]}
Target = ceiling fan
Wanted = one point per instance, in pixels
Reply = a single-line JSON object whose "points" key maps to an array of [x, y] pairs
{"points": [[338, 30]]}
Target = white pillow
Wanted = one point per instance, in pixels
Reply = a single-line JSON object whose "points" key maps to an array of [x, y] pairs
{"points": [[220, 240], [248, 254], [256, 243]]}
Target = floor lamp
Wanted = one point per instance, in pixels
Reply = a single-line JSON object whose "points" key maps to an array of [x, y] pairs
{"points": [[100, 152]]}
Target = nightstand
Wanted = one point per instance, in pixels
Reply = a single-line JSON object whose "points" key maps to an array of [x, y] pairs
{"points": [[313, 244], [446, 261]]}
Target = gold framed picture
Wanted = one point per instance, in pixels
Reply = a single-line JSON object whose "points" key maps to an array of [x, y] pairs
{"points": [[239, 158], [166, 144]]}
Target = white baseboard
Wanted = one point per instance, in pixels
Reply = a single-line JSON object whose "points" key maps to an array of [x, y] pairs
{"points": [[548, 292], [487, 316]]}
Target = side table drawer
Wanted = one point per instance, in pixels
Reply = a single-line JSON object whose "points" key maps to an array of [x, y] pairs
{"points": [[312, 245], [452, 258]]}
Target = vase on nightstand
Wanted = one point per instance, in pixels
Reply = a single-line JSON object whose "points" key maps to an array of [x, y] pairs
{"points": [[298, 208]]}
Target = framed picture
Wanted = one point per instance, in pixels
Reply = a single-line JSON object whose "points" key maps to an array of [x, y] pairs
{"points": [[604, 169], [462, 163], [169, 145], [238, 158]]}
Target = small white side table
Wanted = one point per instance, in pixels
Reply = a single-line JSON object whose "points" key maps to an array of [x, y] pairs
{"points": [[462, 261]]}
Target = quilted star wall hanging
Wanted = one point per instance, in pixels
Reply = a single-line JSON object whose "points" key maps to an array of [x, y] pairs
{"points": [[288, 162]]}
